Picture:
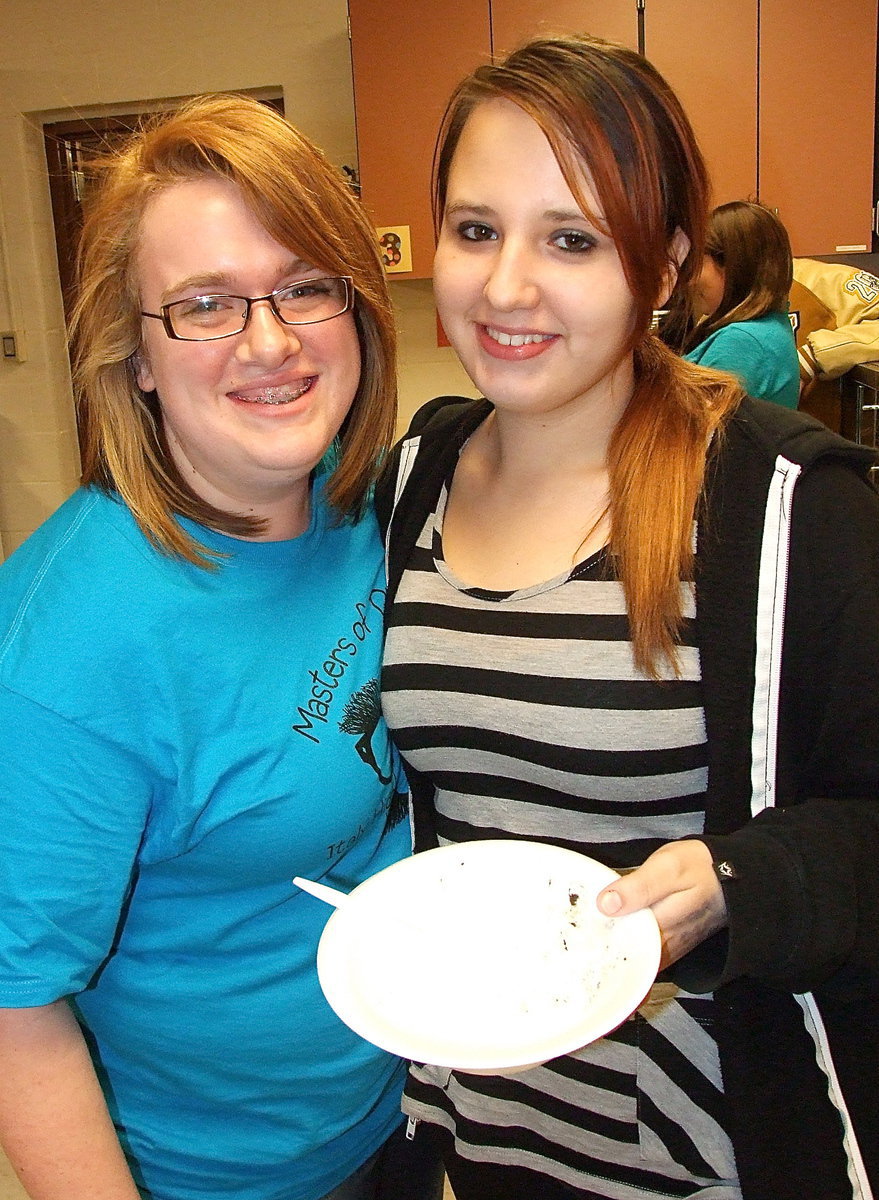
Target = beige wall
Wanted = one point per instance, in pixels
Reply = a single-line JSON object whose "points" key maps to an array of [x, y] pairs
{"points": [[64, 58], [425, 369]]}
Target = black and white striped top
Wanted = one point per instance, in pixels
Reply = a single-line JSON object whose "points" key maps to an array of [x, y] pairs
{"points": [[528, 715]]}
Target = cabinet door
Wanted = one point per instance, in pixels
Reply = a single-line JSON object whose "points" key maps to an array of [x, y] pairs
{"points": [[514, 21], [708, 53], [407, 58], [817, 119]]}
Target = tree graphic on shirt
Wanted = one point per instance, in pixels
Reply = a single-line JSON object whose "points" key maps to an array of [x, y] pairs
{"points": [[361, 718]]}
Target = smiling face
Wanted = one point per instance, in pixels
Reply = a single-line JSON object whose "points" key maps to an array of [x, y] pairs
{"points": [[532, 296], [248, 417]]}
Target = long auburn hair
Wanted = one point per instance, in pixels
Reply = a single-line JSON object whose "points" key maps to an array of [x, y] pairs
{"points": [[604, 107], [305, 204], [751, 245]]}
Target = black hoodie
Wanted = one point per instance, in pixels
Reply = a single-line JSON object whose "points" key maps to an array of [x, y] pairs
{"points": [[787, 600]]}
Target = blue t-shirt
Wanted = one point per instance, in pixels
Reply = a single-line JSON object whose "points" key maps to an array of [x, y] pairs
{"points": [[761, 353], [176, 745]]}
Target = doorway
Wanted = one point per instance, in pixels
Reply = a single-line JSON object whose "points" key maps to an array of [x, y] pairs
{"points": [[72, 148]]}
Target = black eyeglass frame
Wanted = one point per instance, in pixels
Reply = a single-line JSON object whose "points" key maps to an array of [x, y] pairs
{"points": [[164, 315]]}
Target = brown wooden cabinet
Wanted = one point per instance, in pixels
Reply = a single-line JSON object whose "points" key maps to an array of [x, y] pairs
{"points": [[514, 21], [708, 53], [407, 56], [818, 116], [781, 99]]}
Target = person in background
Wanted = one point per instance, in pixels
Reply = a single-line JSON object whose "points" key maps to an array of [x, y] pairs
{"points": [[734, 315], [634, 612], [189, 662]]}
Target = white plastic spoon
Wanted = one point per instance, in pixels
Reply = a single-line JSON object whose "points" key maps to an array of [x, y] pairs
{"points": [[336, 898], [321, 891]]}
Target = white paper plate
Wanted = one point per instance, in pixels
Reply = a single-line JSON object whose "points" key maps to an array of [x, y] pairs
{"points": [[488, 955]]}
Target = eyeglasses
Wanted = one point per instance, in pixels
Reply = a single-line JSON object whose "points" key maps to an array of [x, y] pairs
{"points": [[208, 318]]}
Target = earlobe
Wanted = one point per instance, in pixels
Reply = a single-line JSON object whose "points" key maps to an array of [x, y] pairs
{"points": [[142, 373], [678, 249]]}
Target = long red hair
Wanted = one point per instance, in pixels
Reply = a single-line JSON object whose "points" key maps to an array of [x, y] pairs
{"points": [[605, 108]]}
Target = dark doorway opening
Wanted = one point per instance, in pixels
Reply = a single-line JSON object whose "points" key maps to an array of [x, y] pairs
{"points": [[71, 148]]}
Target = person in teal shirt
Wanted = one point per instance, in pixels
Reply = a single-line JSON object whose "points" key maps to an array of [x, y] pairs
{"points": [[738, 304], [190, 652]]}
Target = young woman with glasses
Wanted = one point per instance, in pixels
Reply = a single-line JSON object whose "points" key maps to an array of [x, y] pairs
{"points": [[189, 656]]}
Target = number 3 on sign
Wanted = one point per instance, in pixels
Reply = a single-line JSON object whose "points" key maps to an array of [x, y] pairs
{"points": [[395, 246]]}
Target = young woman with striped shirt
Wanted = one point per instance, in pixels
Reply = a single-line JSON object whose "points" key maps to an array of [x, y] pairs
{"points": [[634, 612]]}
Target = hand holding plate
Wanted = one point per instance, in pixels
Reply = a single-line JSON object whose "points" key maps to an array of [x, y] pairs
{"points": [[678, 883]]}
